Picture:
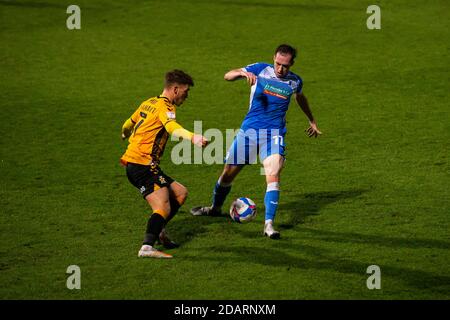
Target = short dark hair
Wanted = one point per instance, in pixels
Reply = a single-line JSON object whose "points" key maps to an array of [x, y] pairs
{"points": [[287, 49], [179, 77]]}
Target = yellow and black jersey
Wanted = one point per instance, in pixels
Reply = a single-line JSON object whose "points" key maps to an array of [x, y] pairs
{"points": [[149, 137]]}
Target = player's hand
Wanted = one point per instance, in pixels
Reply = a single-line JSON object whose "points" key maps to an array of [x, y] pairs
{"points": [[199, 140], [251, 78], [313, 131]]}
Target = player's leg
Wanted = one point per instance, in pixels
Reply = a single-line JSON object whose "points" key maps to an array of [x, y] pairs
{"points": [[273, 165], [177, 196], [221, 189], [160, 204], [243, 151], [153, 186], [272, 155], [223, 186], [237, 157]]}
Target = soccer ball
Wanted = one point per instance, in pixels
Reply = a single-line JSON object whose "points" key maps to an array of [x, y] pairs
{"points": [[243, 210]]}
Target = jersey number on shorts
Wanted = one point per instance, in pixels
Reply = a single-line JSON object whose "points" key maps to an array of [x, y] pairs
{"points": [[278, 139]]}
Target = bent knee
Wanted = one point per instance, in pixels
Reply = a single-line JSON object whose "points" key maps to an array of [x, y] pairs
{"points": [[183, 197], [273, 165]]}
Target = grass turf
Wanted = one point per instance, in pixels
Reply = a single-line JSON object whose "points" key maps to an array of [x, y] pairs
{"points": [[372, 190]]}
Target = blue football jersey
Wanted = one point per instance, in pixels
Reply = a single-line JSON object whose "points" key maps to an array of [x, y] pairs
{"points": [[269, 98]]}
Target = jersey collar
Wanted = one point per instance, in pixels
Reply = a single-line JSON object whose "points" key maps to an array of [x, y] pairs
{"points": [[165, 98]]}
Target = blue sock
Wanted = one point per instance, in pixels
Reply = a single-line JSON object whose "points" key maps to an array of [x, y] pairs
{"points": [[220, 194], [271, 200]]}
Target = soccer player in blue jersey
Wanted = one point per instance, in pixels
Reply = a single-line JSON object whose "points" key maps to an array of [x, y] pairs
{"points": [[263, 130]]}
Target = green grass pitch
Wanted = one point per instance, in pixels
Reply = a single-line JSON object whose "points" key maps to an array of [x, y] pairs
{"points": [[372, 190]]}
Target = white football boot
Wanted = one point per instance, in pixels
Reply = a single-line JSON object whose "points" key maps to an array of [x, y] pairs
{"points": [[269, 231], [150, 252]]}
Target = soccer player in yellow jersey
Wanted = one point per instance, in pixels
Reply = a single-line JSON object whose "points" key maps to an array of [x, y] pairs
{"points": [[148, 130]]}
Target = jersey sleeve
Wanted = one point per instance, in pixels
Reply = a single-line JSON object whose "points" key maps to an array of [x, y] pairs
{"points": [[175, 129], [166, 113], [135, 116], [255, 68], [299, 84]]}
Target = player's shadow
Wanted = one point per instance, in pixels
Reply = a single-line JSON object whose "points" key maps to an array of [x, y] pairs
{"points": [[186, 227], [380, 240], [423, 280], [310, 204]]}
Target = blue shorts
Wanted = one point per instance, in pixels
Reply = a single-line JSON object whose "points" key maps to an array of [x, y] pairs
{"points": [[247, 145]]}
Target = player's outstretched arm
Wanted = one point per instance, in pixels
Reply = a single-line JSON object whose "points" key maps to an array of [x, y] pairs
{"points": [[313, 130], [239, 74], [175, 129]]}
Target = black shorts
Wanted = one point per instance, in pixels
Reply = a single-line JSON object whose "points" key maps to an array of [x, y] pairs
{"points": [[147, 178]]}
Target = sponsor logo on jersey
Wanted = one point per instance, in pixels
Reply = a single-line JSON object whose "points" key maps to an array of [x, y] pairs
{"points": [[276, 92], [170, 115]]}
